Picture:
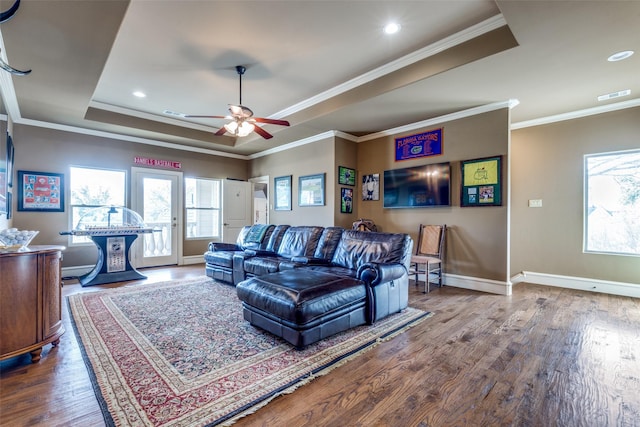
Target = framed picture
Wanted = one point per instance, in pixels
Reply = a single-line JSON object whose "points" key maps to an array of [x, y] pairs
{"points": [[346, 200], [282, 186], [371, 187], [346, 176], [40, 191], [481, 182], [311, 190]]}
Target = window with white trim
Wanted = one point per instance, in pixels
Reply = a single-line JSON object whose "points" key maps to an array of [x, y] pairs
{"points": [[203, 201], [91, 188], [612, 203]]}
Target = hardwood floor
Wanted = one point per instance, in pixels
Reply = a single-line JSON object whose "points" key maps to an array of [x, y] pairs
{"points": [[542, 357]]}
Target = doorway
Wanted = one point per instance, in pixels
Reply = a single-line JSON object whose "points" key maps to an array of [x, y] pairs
{"points": [[260, 199], [156, 196]]}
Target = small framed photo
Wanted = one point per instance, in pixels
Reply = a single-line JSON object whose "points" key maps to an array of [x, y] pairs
{"points": [[481, 182], [371, 187], [346, 176], [40, 191], [282, 187], [311, 190], [346, 200]]}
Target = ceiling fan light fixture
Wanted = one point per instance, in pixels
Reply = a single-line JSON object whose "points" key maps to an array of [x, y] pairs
{"points": [[240, 130]]}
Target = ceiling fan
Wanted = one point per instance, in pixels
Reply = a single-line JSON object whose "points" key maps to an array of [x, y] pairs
{"points": [[242, 121]]}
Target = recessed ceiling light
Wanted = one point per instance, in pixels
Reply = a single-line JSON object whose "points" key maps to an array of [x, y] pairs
{"points": [[139, 94], [391, 28], [619, 56]]}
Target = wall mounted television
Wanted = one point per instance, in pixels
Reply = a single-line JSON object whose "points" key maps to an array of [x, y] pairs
{"points": [[418, 187]]}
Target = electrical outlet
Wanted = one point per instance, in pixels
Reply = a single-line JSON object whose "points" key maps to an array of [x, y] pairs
{"points": [[535, 203]]}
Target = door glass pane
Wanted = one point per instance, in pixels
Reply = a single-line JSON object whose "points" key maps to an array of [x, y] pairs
{"points": [[157, 215]]}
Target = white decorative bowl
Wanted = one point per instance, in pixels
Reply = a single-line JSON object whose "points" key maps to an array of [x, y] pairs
{"points": [[14, 240]]}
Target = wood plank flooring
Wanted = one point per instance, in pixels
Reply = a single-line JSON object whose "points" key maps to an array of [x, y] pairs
{"points": [[544, 356]]}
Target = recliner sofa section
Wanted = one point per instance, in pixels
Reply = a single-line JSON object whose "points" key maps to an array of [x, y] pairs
{"points": [[297, 242], [260, 238]]}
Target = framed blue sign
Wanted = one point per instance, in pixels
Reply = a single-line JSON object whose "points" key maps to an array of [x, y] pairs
{"points": [[420, 145]]}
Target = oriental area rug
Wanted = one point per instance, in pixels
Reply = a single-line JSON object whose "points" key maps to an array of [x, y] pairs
{"points": [[181, 354]]}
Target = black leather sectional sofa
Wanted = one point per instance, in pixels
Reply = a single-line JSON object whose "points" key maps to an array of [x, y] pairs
{"points": [[306, 283]]}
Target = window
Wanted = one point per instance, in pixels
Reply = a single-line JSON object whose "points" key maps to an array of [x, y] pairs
{"points": [[202, 203], [91, 188], [612, 203]]}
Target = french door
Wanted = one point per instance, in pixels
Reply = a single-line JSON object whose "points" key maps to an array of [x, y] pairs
{"points": [[156, 195]]}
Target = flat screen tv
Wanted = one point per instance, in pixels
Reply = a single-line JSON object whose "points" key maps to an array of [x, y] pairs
{"points": [[418, 187]]}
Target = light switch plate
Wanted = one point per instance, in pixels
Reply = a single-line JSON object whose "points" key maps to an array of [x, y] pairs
{"points": [[535, 203]]}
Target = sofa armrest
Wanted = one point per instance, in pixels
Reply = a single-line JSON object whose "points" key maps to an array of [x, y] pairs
{"points": [[218, 246], [257, 252], [375, 273]]}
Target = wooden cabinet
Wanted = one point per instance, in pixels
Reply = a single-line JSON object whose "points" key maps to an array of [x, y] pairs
{"points": [[30, 301]]}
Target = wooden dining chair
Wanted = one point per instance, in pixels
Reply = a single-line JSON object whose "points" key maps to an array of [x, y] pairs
{"points": [[429, 256]]}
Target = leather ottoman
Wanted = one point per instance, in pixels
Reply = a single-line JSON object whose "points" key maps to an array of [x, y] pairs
{"points": [[303, 306]]}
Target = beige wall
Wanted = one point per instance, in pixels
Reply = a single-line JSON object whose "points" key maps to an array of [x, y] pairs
{"points": [[310, 159], [548, 164], [45, 150], [347, 156], [477, 241]]}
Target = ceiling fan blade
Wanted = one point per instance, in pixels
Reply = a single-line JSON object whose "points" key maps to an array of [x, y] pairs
{"points": [[206, 117], [263, 133], [221, 131], [271, 121]]}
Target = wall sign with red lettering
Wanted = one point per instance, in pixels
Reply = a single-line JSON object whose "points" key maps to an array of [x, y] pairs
{"points": [[158, 163]]}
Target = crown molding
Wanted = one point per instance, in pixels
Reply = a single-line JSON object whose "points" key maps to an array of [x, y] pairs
{"points": [[577, 114], [153, 117], [128, 138]]}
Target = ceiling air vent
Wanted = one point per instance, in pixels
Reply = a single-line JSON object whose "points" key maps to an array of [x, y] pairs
{"points": [[614, 95], [173, 113]]}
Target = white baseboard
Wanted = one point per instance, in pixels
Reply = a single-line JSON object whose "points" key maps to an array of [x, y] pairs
{"points": [[192, 259], [80, 270], [477, 284], [579, 283], [76, 271]]}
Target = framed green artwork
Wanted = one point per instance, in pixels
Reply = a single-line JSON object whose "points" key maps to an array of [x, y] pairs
{"points": [[481, 182]]}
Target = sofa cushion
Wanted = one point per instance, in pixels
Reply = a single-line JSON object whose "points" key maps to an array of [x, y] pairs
{"points": [[359, 247], [219, 258], [260, 265], [274, 240], [300, 296], [333, 269], [328, 243], [300, 241]]}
